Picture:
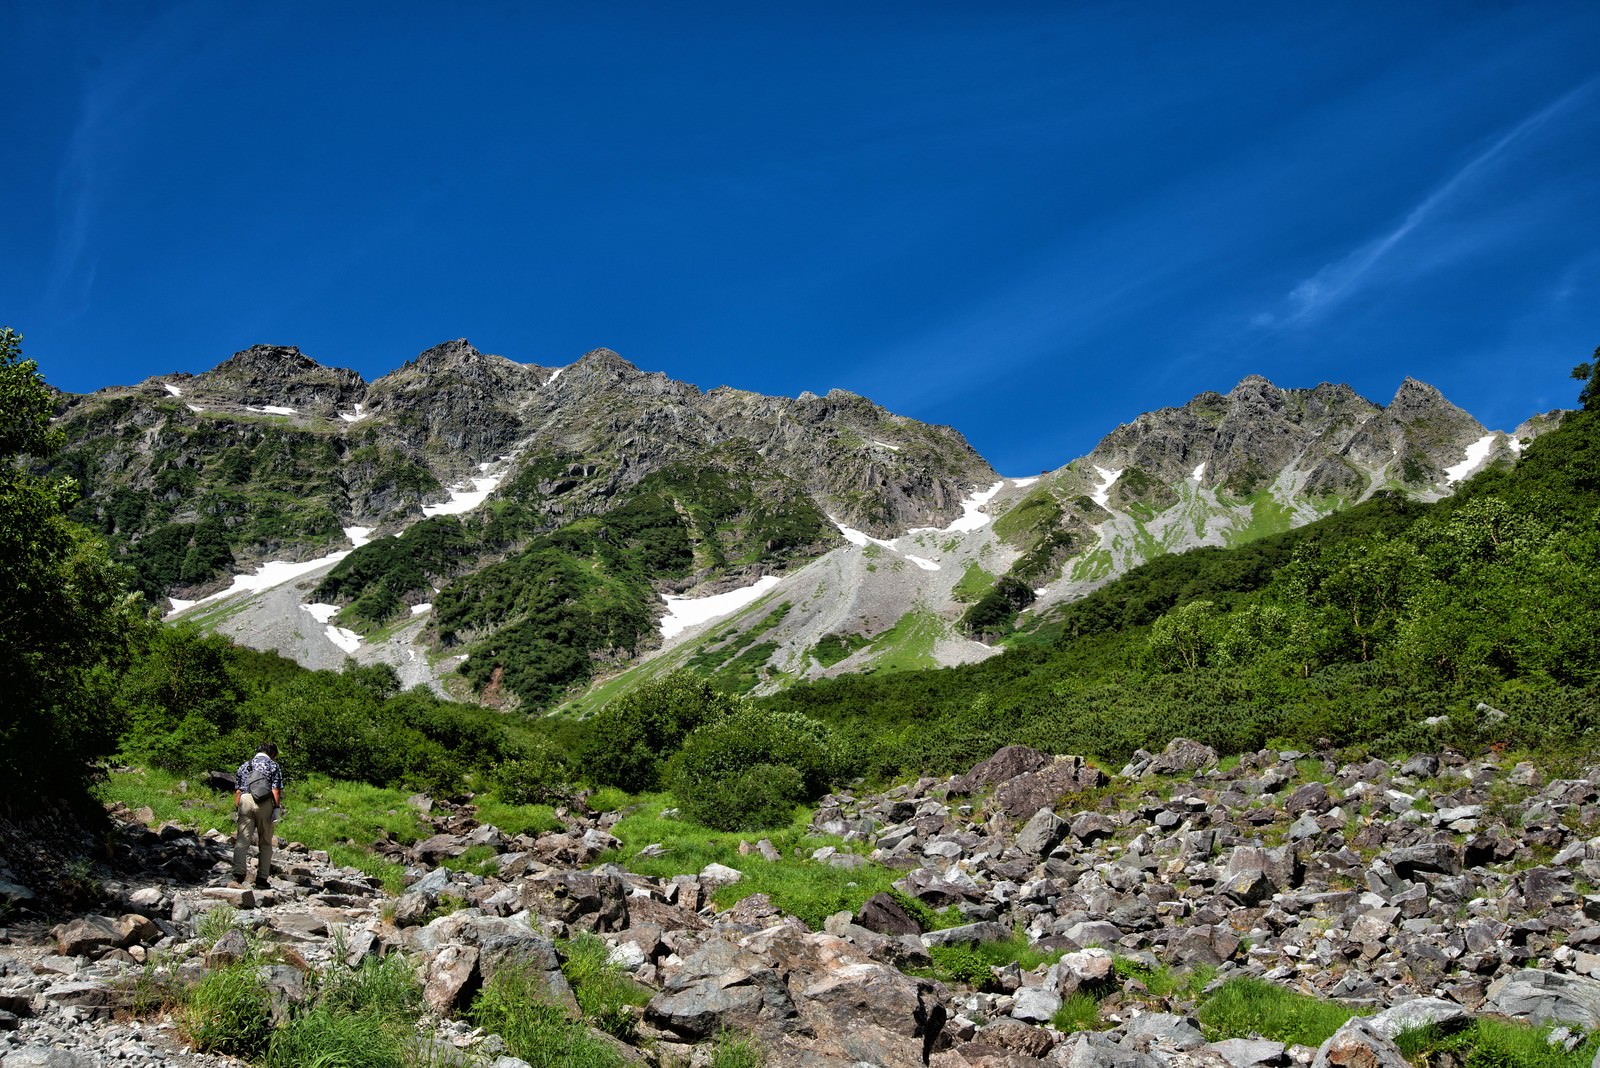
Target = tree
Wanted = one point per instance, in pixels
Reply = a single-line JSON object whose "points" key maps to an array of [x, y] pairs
{"points": [[629, 739], [65, 615], [1589, 374]]}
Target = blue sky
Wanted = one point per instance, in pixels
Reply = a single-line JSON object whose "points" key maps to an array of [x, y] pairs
{"points": [[1031, 221]]}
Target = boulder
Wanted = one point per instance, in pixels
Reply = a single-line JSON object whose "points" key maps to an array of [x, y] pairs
{"points": [[1041, 833], [594, 900], [1542, 997], [1445, 1016], [882, 913], [1029, 792], [1251, 1052], [722, 987], [1007, 763], [1358, 1045], [1182, 755]]}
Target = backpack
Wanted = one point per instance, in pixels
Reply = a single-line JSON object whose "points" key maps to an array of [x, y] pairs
{"points": [[260, 784]]}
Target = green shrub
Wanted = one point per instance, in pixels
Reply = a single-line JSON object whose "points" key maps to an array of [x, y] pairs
{"points": [[605, 993], [735, 1051], [748, 770], [1079, 1011], [1488, 1043], [331, 1039], [539, 1033], [539, 778], [227, 1011], [628, 739]]}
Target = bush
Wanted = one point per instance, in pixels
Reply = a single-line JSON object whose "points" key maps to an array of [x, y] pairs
{"points": [[748, 770], [628, 738]]}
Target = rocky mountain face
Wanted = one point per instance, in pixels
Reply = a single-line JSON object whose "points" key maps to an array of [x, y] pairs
{"points": [[880, 532], [1427, 892]]}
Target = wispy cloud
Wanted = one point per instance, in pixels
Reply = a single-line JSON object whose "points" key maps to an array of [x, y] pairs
{"points": [[1337, 281], [116, 101]]}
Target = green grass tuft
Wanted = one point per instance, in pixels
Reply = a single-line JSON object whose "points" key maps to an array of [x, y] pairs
{"points": [[1248, 1006]]}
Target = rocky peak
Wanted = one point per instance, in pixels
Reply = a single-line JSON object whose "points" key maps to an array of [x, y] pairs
{"points": [[280, 376], [446, 354]]}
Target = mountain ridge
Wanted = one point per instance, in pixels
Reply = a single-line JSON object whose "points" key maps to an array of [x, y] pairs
{"points": [[908, 536]]}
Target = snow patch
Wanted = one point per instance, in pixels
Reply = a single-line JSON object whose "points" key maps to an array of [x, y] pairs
{"points": [[356, 416], [270, 574], [1477, 452], [1515, 445], [886, 445], [172, 389], [1101, 494], [348, 640], [926, 565], [418, 609], [685, 612], [322, 613], [1024, 483], [857, 537], [270, 409], [463, 499], [973, 517], [554, 375], [358, 536], [1198, 472], [193, 407]]}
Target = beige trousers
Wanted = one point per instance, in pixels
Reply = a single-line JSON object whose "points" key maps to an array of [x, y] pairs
{"points": [[255, 818]]}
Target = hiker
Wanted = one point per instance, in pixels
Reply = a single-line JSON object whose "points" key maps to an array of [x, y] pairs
{"points": [[258, 781]]}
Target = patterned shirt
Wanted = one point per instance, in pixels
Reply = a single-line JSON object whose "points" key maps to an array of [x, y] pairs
{"points": [[241, 778]]}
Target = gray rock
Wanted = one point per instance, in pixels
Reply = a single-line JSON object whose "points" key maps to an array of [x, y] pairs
{"points": [[721, 987], [1181, 755], [1357, 1045], [1035, 1004], [968, 934], [1444, 1015], [1543, 997], [1089, 1049], [1041, 833], [1251, 1052], [45, 1057], [1166, 1028]]}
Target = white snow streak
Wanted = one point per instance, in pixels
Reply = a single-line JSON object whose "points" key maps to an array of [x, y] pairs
{"points": [[270, 574], [1477, 452], [193, 407], [1102, 492], [172, 389], [358, 536], [356, 416], [886, 445], [973, 517], [348, 640], [926, 565], [418, 609], [464, 500], [685, 612], [1199, 472], [270, 409], [857, 537], [1023, 483]]}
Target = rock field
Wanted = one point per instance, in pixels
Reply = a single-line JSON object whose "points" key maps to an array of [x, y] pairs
{"points": [[1432, 890]]}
